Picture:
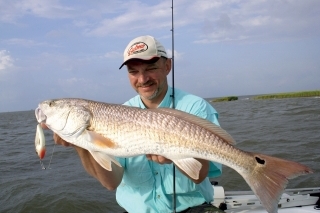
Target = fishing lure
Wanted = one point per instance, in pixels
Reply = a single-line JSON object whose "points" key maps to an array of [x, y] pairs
{"points": [[40, 142], [40, 145]]}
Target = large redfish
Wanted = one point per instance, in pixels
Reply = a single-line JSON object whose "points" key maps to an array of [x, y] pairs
{"points": [[108, 130]]}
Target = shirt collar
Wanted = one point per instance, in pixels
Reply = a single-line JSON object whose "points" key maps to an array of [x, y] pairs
{"points": [[167, 100]]}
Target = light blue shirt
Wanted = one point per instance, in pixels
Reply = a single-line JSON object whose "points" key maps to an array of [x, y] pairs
{"points": [[147, 186]]}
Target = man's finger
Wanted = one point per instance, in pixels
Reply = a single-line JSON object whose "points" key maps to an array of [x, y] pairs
{"points": [[155, 158], [43, 126], [148, 156], [60, 141]]}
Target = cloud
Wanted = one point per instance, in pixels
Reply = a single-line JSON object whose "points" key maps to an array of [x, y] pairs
{"points": [[253, 21], [113, 54], [220, 21], [222, 29], [71, 81], [177, 55], [133, 16], [23, 42], [80, 87], [6, 60], [74, 48], [210, 21], [52, 9]]}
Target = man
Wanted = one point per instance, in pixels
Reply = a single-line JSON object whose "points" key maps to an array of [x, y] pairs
{"points": [[145, 183]]}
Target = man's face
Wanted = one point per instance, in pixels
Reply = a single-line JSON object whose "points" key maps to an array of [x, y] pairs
{"points": [[149, 79]]}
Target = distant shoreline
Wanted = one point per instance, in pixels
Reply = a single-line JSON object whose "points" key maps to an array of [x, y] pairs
{"points": [[302, 94]]}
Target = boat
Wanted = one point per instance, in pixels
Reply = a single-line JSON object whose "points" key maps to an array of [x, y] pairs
{"points": [[299, 200]]}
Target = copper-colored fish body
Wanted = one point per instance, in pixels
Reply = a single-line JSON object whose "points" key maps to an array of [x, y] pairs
{"points": [[109, 130]]}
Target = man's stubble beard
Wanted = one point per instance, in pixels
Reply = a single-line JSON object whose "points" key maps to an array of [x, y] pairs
{"points": [[156, 92]]}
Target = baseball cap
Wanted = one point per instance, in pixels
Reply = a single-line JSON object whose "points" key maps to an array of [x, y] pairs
{"points": [[143, 48]]}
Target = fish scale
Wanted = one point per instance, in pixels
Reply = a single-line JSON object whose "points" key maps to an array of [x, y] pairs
{"points": [[122, 131]]}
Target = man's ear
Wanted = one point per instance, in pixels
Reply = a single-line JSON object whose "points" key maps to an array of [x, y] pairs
{"points": [[168, 65]]}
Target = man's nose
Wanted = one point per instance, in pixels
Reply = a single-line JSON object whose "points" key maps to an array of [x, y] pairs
{"points": [[143, 78]]}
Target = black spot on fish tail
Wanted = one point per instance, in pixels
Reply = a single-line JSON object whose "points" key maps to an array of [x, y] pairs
{"points": [[260, 161]]}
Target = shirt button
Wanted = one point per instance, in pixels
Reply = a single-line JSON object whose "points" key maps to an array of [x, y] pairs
{"points": [[158, 196], [155, 173]]}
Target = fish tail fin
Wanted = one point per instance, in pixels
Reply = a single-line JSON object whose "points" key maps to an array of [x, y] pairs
{"points": [[270, 177]]}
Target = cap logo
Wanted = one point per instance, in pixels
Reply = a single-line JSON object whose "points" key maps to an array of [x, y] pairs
{"points": [[137, 47]]}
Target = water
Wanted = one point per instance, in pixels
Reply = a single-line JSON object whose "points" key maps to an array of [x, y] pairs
{"points": [[287, 128]]}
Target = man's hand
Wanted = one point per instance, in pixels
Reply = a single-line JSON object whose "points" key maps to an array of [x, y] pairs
{"points": [[109, 179], [158, 159], [203, 172]]}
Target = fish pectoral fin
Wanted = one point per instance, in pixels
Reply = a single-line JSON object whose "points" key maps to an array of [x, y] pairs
{"points": [[100, 141], [190, 166], [104, 160]]}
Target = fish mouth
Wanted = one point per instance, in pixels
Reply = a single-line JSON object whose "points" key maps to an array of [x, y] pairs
{"points": [[41, 117]]}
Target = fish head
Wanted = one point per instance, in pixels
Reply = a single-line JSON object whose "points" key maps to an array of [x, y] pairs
{"points": [[66, 117]]}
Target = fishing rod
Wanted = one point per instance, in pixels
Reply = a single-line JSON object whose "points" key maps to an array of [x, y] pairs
{"points": [[172, 57], [173, 106]]}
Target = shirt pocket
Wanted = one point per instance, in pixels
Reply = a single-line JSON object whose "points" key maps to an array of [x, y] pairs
{"points": [[137, 173]]}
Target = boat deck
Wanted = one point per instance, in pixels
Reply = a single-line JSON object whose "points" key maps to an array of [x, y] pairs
{"points": [[303, 200]]}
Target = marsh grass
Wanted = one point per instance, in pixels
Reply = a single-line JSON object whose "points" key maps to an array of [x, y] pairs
{"points": [[301, 94], [229, 98], [289, 95]]}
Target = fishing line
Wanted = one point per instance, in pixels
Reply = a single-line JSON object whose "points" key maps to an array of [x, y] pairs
{"points": [[51, 156], [41, 163], [173, 106]]}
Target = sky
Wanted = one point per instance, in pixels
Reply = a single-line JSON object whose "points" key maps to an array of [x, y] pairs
{"points": [[57, 49]]}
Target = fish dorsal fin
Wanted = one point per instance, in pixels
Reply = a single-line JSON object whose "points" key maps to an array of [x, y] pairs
{"points": [[217, 130]]}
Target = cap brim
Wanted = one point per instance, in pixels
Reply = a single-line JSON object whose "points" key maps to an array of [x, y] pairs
{"points": [[146, 60]]}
